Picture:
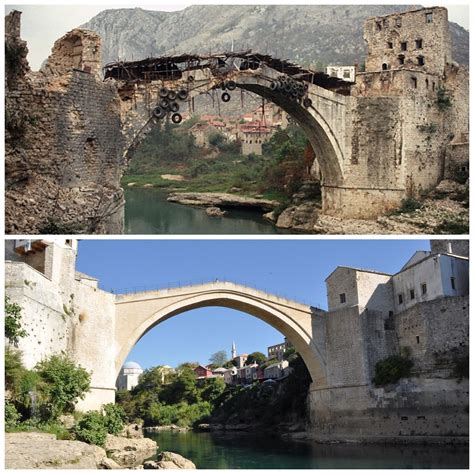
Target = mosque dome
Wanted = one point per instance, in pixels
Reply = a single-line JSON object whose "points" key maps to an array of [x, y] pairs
{"points": [[131, 365]]}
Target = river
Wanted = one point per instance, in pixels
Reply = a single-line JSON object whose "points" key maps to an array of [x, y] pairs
{"points": [[148, 212], [247, 451]]}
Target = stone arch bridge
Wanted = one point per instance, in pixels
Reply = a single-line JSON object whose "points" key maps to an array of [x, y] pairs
{"points": [[367, 142], [138, 313]]}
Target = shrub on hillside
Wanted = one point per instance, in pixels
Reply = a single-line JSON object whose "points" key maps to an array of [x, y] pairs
{"points": [[91, 428], [114, 418]]}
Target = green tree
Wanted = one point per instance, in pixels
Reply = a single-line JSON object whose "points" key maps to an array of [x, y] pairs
{"points": [[13, 328], [219, 358], [63, 383], [256, 357], [212, 389]]}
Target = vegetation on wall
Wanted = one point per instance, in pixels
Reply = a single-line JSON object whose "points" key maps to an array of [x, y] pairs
{"points": [[13, 327], [392, 369]]}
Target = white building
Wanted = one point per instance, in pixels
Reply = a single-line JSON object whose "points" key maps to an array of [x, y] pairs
{"points": [[347, 73], [277, 370], [426, 276], [128, 377]]}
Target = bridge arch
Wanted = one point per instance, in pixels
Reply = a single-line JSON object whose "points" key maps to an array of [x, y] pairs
{"points": [[323, 121], [137, 314]]}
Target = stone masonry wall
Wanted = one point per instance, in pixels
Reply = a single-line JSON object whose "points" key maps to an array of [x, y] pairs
{"points": [[63, 145], [436, 333], [392, 36]]}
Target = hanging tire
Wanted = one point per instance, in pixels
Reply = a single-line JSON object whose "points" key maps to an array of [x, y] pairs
{"points": [[159, 113], [182, 94], [273, 86], [231, 85], [305, 87], [172, 95], [174, 106], [225, 97], [307, 102], [288, 88], [163, 92], [254, 65], [176, 118], [164, 103]]}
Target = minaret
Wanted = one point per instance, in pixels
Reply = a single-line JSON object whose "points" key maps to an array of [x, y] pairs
{"points": [[234, 350]]}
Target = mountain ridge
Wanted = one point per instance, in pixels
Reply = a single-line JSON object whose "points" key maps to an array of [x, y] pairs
{"points": [[335, 32]]}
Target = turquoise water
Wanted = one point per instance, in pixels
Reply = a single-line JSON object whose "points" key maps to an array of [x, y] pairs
{"points": [[148, 212], [247, 451]]}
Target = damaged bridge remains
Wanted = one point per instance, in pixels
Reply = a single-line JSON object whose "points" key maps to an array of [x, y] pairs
{"points": [[394, 133]]}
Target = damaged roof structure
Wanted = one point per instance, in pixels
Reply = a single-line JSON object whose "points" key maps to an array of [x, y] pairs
{"points": [[169, 68]]}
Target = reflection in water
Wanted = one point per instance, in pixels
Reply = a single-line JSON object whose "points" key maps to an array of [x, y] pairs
{"points": [[247, 451], [148, 212]]}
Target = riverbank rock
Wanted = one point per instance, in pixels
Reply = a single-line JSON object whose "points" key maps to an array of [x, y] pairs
{"points": [[215, 212], [301, 218], [222, 200], [158, 429], [169, 460], [133, 430], [270, 216], [44, 451], [129, 452]]}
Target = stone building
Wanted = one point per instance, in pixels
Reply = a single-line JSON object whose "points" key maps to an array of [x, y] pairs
{"points": [[129, 375], [277, 350], [348, 73]]}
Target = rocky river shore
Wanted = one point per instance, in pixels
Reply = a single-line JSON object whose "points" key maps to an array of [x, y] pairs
{"points": [[31, 450]]}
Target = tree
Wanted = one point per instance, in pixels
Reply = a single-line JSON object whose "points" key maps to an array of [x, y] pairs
{"points": [[62, 384], [219, 358], [13, 328], [256, 357]]}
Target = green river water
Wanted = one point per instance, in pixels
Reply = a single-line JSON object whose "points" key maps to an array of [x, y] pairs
{"points": [[148, 212], [248, 451]]}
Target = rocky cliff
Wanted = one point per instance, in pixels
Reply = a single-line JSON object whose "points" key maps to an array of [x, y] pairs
{"points": [[309, 34]]}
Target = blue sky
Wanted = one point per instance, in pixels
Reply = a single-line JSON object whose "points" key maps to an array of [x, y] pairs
{"points": [[292, 268]]}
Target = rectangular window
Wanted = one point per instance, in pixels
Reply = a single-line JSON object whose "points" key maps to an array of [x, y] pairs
{"points": [[412, 294], [403, 45], [453, 283], [419, 44], [429, 17], [398, 22], [390, 45], [414, 82], [417, 339], [423, 289], [342, 297], [400, 299]]}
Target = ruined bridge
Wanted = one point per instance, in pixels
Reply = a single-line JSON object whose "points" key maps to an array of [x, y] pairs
{"points": [[364, 148], [317, 102]]}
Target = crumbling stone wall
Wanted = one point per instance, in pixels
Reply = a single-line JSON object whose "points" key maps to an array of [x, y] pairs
{"points": [[402, 38], [63, 143]]}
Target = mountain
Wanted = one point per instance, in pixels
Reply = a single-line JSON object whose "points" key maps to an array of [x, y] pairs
{"points": [[307, 34]]}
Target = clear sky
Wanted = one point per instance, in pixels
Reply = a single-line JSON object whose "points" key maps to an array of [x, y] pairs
{"points": [[292, 268], [44, 24]]}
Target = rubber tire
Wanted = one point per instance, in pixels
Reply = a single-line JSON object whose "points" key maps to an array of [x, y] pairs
{"points": [[307, 102], [163, 92], [225, 97], [164, 103], [231, 85], [273, 86], [172, 95], [174, 106], [159, 113], [182, 94], [176, 118], [254, 65]]}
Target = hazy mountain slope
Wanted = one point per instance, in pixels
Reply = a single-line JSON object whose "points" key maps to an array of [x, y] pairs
{"points": [[307, 34]]}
